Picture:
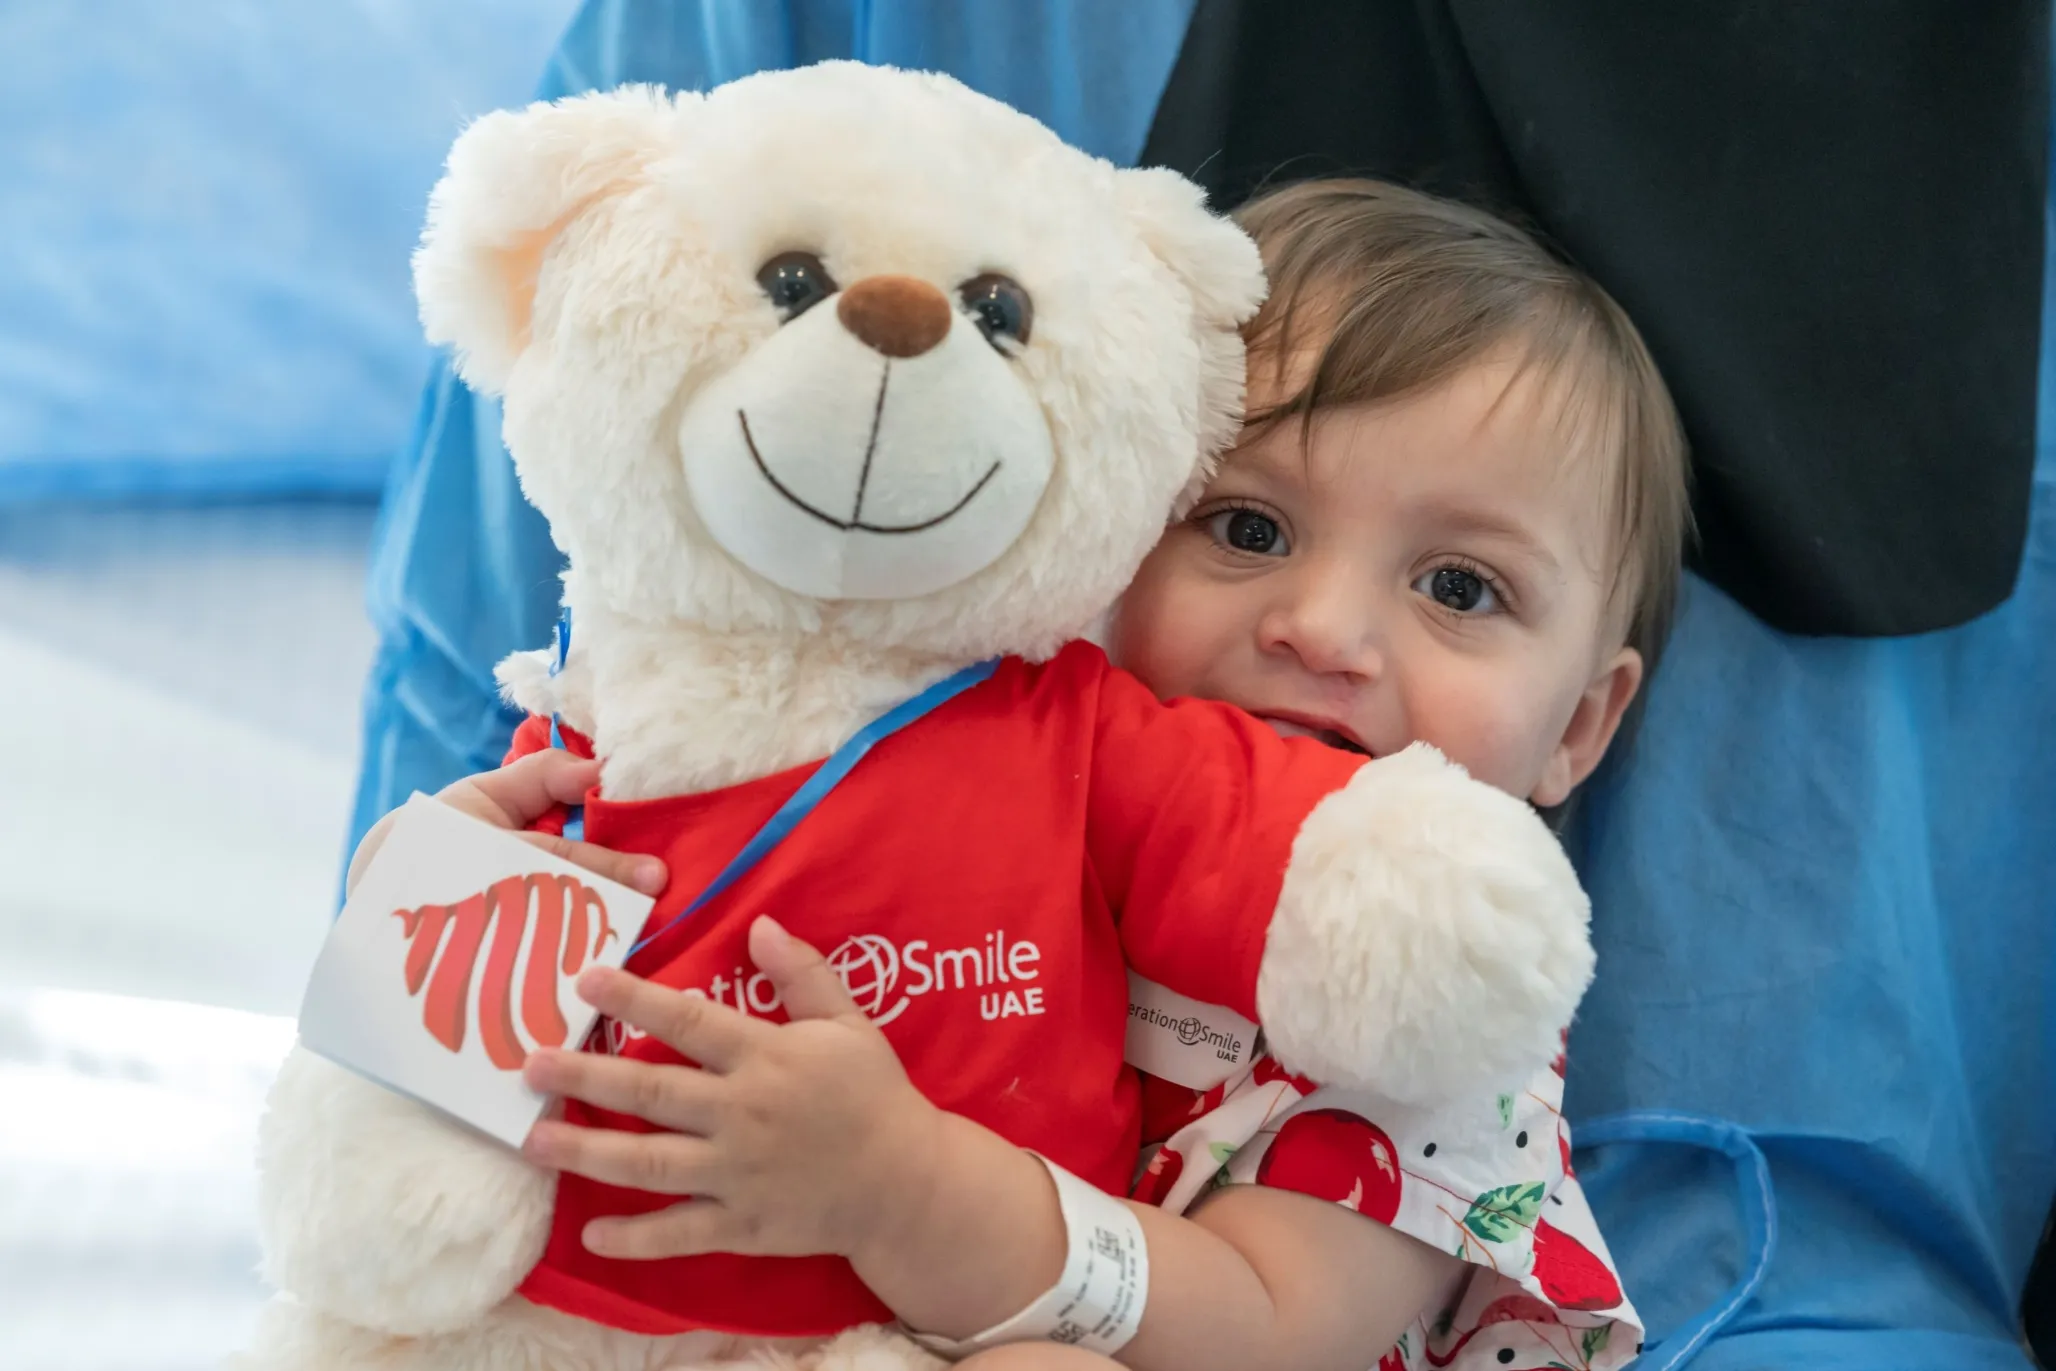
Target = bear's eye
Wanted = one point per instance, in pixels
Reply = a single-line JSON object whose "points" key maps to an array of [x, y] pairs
{"points": [[999, 305], [795, 282]]}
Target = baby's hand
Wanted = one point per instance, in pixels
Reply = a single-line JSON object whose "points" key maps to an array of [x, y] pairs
{"points": [[792, 1139], [516, 796]]}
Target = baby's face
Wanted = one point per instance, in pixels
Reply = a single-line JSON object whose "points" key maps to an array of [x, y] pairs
{"points": [[1432, 569]]}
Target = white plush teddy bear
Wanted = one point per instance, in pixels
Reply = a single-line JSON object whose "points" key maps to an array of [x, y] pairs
{"points": [[835, 384]]}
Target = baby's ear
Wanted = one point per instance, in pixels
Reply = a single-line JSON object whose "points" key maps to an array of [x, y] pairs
{"points": [[514, 180], [1215, 260]]}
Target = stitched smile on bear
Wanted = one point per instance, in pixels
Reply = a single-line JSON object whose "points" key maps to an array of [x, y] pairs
{"points": [[856, 519]]}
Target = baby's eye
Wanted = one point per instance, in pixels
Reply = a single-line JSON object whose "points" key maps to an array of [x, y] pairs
{"points": [[1459, 589], [1246, 530]]}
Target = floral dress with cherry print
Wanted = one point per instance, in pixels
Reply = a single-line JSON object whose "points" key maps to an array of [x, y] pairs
{"points": [[1487, 1180]]}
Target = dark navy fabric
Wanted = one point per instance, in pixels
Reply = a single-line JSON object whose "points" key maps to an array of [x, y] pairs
{"points": [[1804, 207]]}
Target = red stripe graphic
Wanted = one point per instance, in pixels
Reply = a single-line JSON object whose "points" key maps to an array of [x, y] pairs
{"points": [[562, 906]]}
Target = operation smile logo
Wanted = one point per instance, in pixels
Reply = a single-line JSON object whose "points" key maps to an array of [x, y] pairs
{"points": [[543, 926], [1191, 1031], [885, 978]]}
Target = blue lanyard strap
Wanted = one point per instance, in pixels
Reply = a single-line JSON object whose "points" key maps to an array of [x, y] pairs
{"points": [[574, 822], [825, 778], [1759, 1214], [802, 800], [563, 641]]}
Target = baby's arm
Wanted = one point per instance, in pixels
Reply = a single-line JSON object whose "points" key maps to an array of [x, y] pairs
{"points": [[807, 1137], [1256, 1278]]}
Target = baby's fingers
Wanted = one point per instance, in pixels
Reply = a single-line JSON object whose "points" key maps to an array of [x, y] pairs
{"points": [[699, 1029], [680, 1098], [660, 1163], [646, 874], [524, 790], [517, 795], [683, 1230]]}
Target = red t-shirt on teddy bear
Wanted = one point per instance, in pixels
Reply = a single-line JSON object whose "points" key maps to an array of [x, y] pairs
{"points": [[982, 880]]}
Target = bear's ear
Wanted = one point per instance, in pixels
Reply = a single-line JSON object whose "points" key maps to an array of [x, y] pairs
{"points": [[514, 180], [1215, 260]]}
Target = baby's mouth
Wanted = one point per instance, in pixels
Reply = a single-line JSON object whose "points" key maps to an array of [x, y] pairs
{"points": [[1288, 726]]}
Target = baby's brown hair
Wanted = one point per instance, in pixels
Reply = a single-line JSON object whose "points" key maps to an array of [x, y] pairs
{"points": [[1391, 291]]}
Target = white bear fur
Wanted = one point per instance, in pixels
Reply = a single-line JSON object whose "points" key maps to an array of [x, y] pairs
{"points": [[349, 1168], [594, 261], [1382, 948]]}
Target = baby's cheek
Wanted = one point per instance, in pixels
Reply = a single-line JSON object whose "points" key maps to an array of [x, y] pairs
{"points": [[1131, 632], [1166, 627], [1499, 735]]}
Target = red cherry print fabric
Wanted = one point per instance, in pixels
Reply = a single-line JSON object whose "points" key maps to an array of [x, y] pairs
{"points": [[1487, 1180], [1570, 1273], [1337, 1156]]}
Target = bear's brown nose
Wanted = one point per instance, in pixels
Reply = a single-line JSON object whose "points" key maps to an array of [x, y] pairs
{"points": [[896, 315]]}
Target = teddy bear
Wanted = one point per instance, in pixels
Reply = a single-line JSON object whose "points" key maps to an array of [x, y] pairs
{"points": [[840, 387]]}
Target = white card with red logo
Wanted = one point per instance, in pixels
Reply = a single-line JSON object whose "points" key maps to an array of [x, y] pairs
{"points": [[458, 953]]}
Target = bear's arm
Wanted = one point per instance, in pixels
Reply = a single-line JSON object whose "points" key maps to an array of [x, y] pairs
{"points": [[1395, 926], [1192, 812]]}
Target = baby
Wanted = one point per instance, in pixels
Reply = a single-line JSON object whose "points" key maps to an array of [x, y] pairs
{"points": [[1455, 517]]}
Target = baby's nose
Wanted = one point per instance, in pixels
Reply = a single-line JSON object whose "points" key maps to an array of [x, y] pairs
{"points": [[1328, 628], [898, 316]]}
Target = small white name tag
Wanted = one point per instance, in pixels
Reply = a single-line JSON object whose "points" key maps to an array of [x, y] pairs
{"points": [[457, 954], [1181, 1039]]}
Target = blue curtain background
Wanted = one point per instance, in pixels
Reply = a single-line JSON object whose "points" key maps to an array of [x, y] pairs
{"points": [[1825, 895], [209, 207]]}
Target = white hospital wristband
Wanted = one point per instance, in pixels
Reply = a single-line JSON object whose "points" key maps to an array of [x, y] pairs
{"points": [[1097, 1302]]}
